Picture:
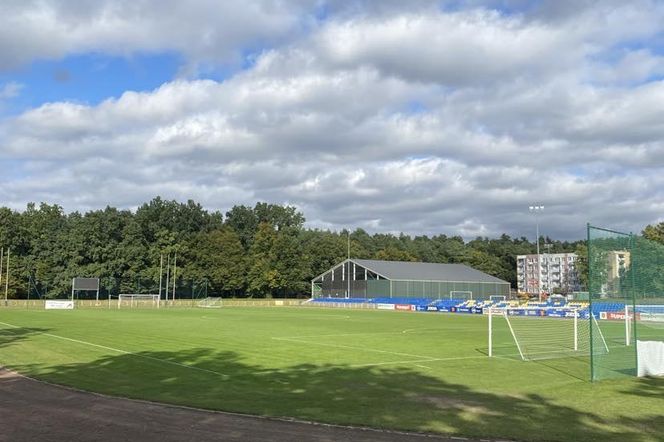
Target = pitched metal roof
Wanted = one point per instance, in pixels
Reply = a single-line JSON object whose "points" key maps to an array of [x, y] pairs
{"points": [[426, 271]]}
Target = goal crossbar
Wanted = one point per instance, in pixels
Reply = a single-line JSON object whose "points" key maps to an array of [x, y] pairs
{"points": [[210, 302], [135, 298], [652, 314], [543, 337]]}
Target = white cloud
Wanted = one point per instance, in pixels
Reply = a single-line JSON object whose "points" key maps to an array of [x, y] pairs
{"points": [[203, 30], [10, 90], [420, 121]]}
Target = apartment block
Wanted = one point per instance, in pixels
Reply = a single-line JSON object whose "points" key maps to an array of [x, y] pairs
{"points": [[557, 271]]}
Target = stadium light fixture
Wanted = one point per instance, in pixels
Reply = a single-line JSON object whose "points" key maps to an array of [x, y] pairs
{"points": [[535, 209]]}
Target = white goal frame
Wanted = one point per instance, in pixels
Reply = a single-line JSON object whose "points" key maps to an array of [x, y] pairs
{"points": [[643, 316], [210, 302], [156, 299], [452, 292], [503, 312]]}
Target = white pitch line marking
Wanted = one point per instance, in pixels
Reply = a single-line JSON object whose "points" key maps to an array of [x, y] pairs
{"points": [[460, 358], [332, 335], [301, 341], [117, 350]]}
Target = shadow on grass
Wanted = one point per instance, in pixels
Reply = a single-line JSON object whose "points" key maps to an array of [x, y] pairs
{"points": [[652, 387], [397, 398], [13, 335]]}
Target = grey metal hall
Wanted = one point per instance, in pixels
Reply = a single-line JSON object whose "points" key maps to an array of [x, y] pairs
{"points": [[368, 278]]}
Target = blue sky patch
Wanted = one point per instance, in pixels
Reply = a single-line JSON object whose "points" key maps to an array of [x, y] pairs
{"points": [[89, 78]]}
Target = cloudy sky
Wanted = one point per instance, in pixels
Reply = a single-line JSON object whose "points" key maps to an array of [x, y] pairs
{"points": [[416, 116]]}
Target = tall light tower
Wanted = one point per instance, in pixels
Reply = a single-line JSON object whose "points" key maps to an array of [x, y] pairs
{"points": [[536, 209], [348, 273]]}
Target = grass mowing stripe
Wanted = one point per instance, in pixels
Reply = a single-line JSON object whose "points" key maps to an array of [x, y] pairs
{"points": [[117, 350], [349, 347]]}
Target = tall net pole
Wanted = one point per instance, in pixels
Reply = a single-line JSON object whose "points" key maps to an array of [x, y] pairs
{"points": [[175, 269], [161, 271], [168, 274]]}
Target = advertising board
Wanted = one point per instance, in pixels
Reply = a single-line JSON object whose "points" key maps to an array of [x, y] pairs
{"points": [[59, 305]]}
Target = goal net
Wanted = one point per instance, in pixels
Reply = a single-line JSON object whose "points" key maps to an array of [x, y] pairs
{"points": [[537, 334], [644, 327], [626, 286], [210, 303], [138, 300], [461, 294]]}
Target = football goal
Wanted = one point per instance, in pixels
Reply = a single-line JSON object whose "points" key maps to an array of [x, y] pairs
{"points": [[461, 294], [644, 327], [539, 337], [210, 303], [135, 300], [650, 319]]}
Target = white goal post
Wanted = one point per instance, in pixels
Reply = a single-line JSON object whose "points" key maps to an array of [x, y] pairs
{"points": [[210, 302], [648, 316], [138, 300], [644, 327], [461, 294], [544, 337]]}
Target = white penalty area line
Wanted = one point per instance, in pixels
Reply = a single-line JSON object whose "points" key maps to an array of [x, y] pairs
{"points": [[418, 358], [334, 335], [416, 362], [117, 350]]}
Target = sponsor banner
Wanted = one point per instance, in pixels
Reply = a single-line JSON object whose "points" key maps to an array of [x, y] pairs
{"points": [[477, 310], [404, 307], [59, 305], [431, 308], [385, 306], [445, 309], [422, 308], [557, 314], [464, 310], [616, 316], [527, 312]]}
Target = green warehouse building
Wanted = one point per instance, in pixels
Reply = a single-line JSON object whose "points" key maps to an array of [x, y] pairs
{"points": [[368, 278]]}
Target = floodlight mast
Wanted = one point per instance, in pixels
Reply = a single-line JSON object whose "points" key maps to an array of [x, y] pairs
{"points": [[535, 209], [348, 272]]}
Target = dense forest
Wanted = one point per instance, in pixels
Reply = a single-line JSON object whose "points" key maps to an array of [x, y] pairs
{"points": [[264, 251]]}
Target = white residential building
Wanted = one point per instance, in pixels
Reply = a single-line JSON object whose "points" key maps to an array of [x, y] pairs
{"points": [[557, 270]]}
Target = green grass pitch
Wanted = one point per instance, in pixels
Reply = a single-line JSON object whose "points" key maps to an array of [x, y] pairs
{"points": [[408, 371]]}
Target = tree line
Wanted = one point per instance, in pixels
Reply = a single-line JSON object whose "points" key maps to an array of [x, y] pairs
{"points": [[260, 251]]}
